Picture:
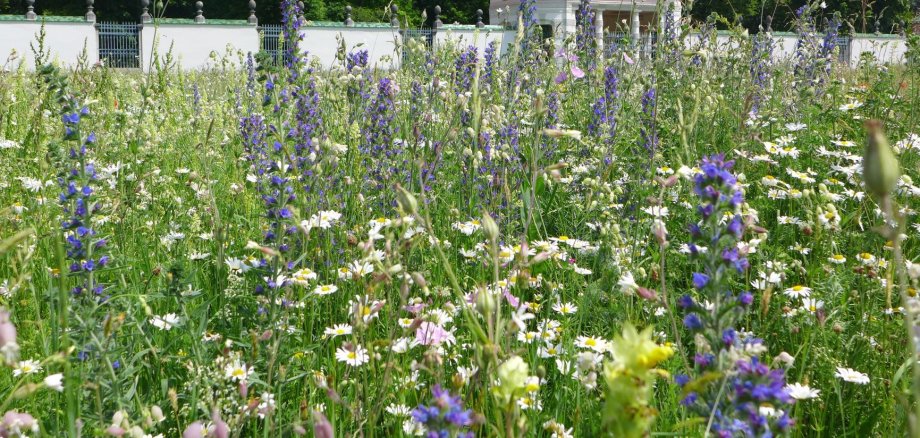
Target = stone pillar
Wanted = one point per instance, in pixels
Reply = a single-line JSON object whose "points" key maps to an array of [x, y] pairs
{"points": [[599, 30], [145, 15], [253, 20], [678, 10], [199, 13], [348, 21], [437, 23], [90, 15], [30, 10], [394, 18]]}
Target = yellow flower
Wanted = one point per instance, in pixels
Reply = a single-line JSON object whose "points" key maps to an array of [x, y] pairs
{"points": [[512, 378], [632, 348]]}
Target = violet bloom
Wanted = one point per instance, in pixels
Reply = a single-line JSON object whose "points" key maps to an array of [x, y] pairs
{"points": [[532, 31], [586, 34], [77, 177], [465, 69], [445, 415], [761, 69], [490, 59], [700, 280], [649, 130], [753, 384]]}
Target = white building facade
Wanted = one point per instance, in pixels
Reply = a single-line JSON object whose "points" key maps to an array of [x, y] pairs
{"points": [[632, 17]]}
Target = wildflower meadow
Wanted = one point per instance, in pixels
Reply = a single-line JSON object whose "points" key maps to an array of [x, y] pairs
{"points": [[560, 238]]}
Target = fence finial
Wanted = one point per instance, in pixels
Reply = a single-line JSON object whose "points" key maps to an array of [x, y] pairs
{"points": [[437, 17], [253, 20], [878, 27], [769, 23], [348, 21], [394, 19], [479, 22], [199, 18], [145, 15], [300, 6], [30, 10], [90, 15]]}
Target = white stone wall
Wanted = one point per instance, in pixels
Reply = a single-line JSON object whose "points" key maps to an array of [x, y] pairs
{"points": [[477, 37], [195, 47], [380, 42], [784, 46], [199, 46], [886, 50], [65, 41]]}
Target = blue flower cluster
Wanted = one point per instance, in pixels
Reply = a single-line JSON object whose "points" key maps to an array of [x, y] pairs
{"points": [[828, 51], [85, 250], [648, 132], [806, 63], [445, 416], [761, 68], [754, 404], [358, 91], [356, 58], [384, 164], [282, 150], [490, 58], [464, 69], [533, 34], [707, 30], [291, 22], [586, 35], [603, 112]]}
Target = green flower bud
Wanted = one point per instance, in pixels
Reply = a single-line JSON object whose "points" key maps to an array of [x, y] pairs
{"points": [[485, 302], [880, 166], [407, 202], [489, 226]]}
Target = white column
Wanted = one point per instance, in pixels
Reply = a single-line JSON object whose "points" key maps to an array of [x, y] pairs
{"points": [[677, 12], [599, 30]]}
